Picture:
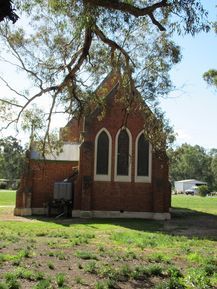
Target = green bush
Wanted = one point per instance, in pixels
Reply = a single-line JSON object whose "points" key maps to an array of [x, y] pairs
{"points": [[60, 279], [203, 190], [3, 285], [6, 184], [3, 185], [15, 185]]}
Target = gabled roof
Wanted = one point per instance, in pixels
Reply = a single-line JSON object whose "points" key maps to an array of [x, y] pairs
{"points": [[109, 88]]}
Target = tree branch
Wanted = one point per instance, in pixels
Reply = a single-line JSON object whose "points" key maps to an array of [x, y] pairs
{"points": [[7, 11], [73, 59], [157, 23], [68, 79], [12, 89], [84, 54], [10, 103], [46, 136], [131, 9], [112, 44], [48, 89], [19, 58]]}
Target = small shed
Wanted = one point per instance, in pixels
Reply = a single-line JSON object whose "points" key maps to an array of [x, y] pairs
{"points": [[183, 185]]}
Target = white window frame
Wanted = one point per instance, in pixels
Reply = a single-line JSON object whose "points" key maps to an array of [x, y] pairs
{"points": [[143, 179], [100, 177], [127, 178]]}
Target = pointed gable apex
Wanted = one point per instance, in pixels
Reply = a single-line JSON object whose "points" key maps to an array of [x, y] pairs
{"points": [[111, 81]]}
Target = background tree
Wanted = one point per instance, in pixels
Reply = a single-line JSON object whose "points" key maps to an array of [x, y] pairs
{"points": [[213, 154], [70, 46], [11, 158], [211, 75], [191, 162], [203, 190], [33, 122]]}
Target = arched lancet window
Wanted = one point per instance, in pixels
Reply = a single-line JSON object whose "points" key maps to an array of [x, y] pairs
{"points": [[123, 153], [143, 159], [103, 156]]}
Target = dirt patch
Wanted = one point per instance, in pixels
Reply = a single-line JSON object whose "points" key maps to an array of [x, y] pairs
{"points": [[7, 214], [125, 254], [192, 224]]}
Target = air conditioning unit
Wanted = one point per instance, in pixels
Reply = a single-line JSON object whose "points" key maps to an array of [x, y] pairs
{"points": [[63, 191]]}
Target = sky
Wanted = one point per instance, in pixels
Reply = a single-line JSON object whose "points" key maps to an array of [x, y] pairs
{"points": [[192, 106]]}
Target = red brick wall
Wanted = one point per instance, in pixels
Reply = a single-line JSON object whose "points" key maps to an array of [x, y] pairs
{"points": [[96, 195], [126, 196], [161, 188], [71, 132], [117, 196], [44, 175]]}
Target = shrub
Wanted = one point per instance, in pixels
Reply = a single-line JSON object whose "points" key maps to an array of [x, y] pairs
{"points": [[172, 283], [11, 281], [6, 184], [60, 279], [51, 265], [107, 284], [91, 267], [86, 255], [203, 190], [3, 185], [43, 284], [3, 285], [197, 278]]}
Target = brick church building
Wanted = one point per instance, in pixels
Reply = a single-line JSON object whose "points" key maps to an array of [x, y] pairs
{"points": [[118, 172]]}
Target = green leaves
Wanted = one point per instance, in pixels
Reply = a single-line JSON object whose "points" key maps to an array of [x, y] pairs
{"points": [[11, 158], [192, 162], [66, 48], [211, 77], [17, 38]]}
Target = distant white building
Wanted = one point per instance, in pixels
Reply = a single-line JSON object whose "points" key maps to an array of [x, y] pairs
{"points": [[183, 185]]}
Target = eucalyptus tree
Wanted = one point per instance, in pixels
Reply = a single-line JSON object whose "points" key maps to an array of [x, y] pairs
{"points": [[66, 47], [210, 76], [11, 158], [34, 124], [191, 162], [213, 154]]}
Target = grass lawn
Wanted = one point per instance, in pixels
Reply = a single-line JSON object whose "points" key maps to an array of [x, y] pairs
{"points": [[103, 254], [196, 203], [7, 197]]}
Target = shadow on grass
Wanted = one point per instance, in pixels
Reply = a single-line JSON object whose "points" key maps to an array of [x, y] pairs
{"points": [[184, 222]]}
